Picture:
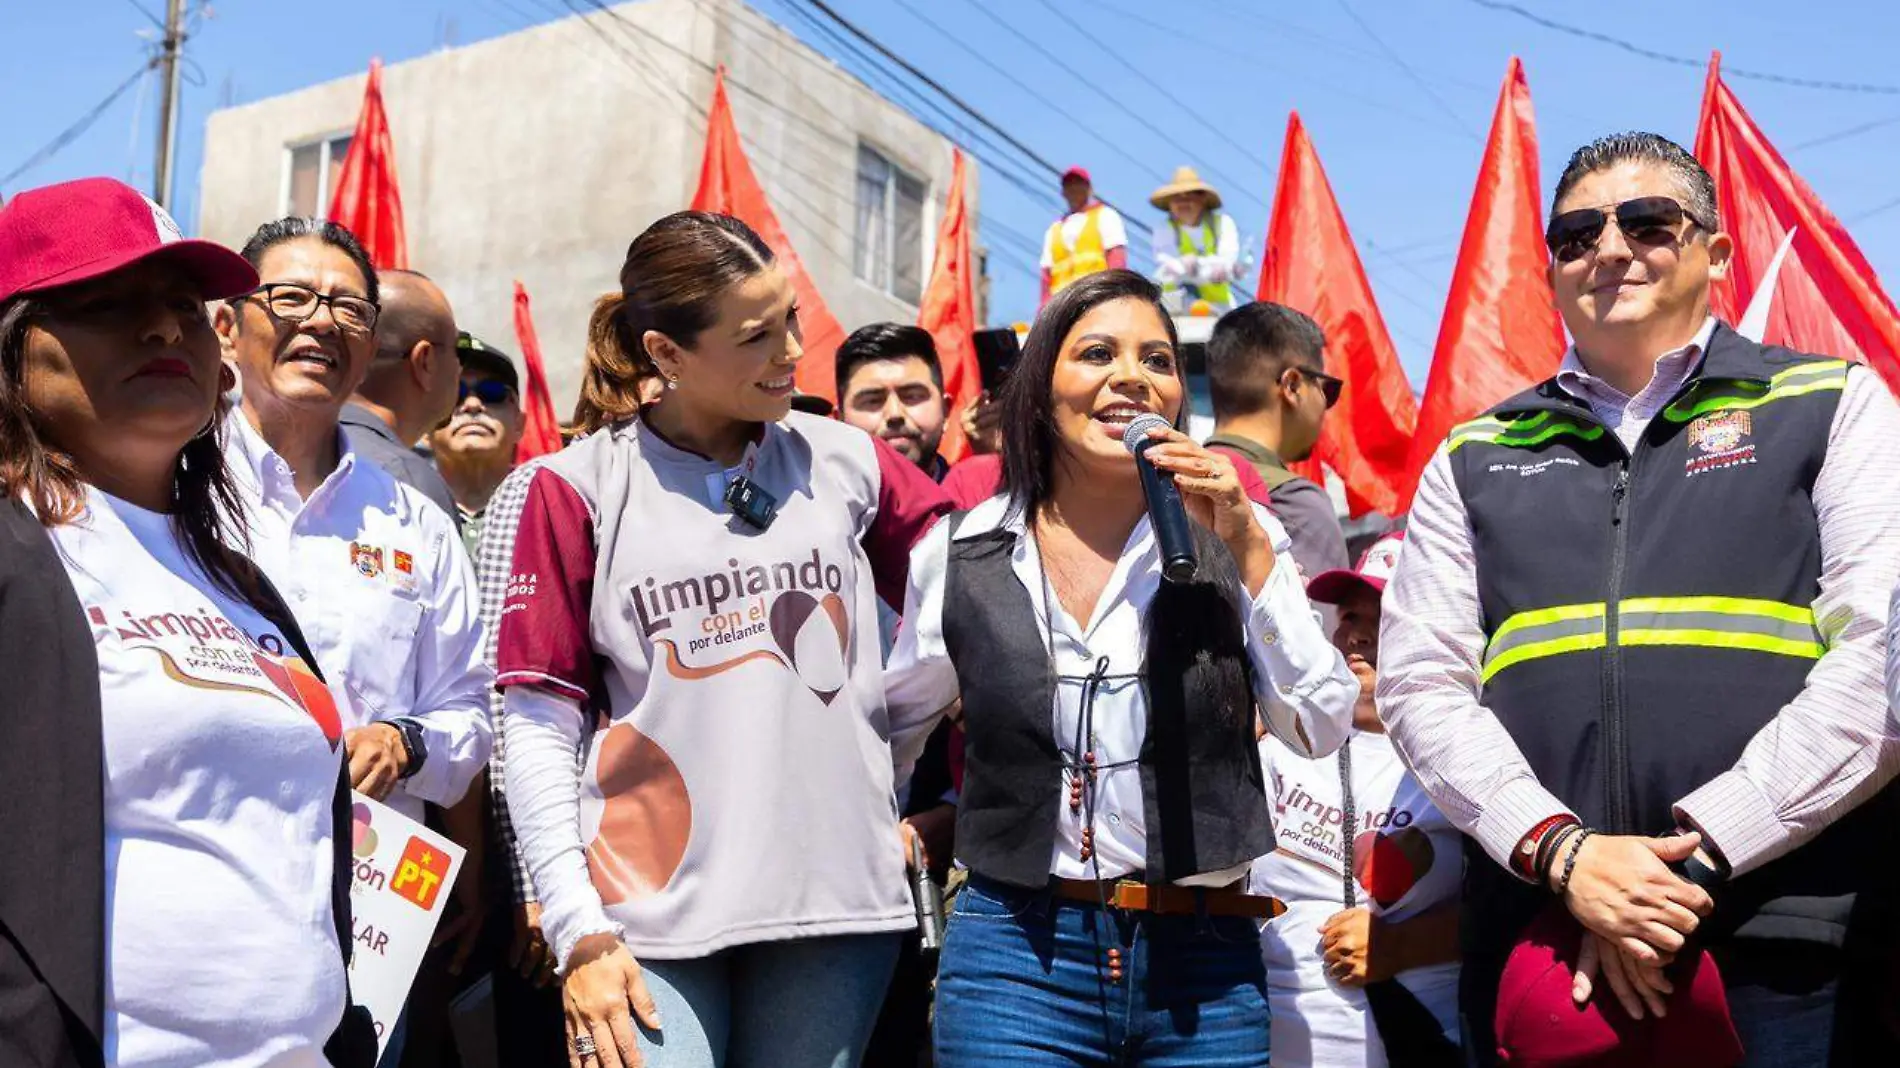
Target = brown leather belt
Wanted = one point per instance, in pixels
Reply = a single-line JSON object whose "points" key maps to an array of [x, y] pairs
{"points": [[1168, 899]]}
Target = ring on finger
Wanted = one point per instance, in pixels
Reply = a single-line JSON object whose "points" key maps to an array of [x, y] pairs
{"points": [[585, 1046]]}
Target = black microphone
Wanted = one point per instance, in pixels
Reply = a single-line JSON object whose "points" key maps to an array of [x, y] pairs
{"points": [[1166, 513]]}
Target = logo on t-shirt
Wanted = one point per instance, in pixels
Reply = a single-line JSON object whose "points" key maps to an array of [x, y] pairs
{"points": [[202, 649], [792, 614]]}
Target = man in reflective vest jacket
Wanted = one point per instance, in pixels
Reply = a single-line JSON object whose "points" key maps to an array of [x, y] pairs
{"points": [[1090, 237], [1635, 646]]}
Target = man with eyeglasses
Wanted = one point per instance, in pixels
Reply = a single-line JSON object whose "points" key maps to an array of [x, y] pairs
{"points": [[1270, 397], [374, 572], [409, 388], [1634, 650], [475, 446]]}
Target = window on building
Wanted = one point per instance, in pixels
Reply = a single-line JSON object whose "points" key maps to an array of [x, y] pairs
{"points": [[312, 170], [889, 249]]}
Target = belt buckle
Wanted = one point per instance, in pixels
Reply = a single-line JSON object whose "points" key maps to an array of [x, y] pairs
{"points": [[1130, 894]]}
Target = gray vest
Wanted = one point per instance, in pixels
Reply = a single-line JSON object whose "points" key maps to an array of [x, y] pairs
{"points": [[1203, 798]]}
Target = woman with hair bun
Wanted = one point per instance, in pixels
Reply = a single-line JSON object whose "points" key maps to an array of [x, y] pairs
{"points": [[693, 608]]}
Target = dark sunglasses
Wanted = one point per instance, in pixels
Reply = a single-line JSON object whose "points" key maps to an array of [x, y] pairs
{"points": [[1327, 383], [488, 391], [1650, 221]]}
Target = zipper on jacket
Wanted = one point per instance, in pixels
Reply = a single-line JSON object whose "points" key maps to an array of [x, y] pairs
{"points": [[1616, 800]]}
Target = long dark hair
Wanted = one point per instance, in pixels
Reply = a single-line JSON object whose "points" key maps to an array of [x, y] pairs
{"points": [[1029, 428], [1196, 649], [207, 513], [673, 277]]}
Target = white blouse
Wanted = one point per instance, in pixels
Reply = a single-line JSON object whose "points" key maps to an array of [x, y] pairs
{"points": [[1300, 681]]}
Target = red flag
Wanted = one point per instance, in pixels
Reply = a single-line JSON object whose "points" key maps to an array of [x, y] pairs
{"points": [[1311, 265], [948, 311], [727, 185], [1501, 333], [540, 431], [1825, 300], [367, 201]]}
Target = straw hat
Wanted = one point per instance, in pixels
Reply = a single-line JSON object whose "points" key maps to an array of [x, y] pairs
{"points": [[1185, 181]]}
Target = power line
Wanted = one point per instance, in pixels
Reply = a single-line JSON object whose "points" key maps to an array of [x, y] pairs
{"points": [[1405, 68], [1685, 61], [1254, 58], [1167, 94], [962, 104], [72, 133], [1073, 120], [1842, 135]]}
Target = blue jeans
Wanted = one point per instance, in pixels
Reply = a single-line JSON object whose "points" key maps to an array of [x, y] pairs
{"points": [[1024, 982], [807, 1003]]}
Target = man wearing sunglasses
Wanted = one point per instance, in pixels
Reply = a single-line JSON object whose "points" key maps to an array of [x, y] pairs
{"points": [[410, 384], [475, 445], [1634, 650], [1270, 396]]}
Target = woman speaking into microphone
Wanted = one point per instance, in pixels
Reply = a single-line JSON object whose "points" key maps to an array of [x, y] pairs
{"points": [[1112, 799]]}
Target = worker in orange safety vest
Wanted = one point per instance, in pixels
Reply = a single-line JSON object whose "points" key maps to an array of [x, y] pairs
{"points": [[1089, 238]]}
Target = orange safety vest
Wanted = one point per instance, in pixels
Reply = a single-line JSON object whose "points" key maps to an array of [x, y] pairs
{"points": [[1068, 264]]}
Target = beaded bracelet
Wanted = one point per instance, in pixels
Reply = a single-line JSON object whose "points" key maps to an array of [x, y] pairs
{"points": [[1547, 856], [1570, 862]]}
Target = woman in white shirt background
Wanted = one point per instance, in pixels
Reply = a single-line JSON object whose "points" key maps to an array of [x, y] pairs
{"points": [[1112, 800], [200, 910], [1362, 968]]}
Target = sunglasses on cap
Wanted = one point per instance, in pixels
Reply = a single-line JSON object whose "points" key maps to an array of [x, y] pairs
{"points": [[1649, 221], [1327, 383], [488, 391]]}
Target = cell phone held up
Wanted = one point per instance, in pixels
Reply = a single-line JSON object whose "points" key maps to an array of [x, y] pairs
{"points": [[996, 353]]}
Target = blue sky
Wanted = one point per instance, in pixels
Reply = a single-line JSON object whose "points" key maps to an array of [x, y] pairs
{"points": [[1397, 95]]}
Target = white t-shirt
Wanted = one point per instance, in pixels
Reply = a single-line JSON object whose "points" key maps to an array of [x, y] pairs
{"points": [[1408, 858], [221, 761]]}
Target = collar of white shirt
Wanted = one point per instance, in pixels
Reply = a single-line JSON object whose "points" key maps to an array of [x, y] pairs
{"points": [[257, 465], [1671, 369]]}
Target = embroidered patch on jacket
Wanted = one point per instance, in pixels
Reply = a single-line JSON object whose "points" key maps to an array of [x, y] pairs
{"points": [[1718, 440], [367, 559]]}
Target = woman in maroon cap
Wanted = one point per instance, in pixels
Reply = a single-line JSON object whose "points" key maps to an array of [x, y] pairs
{"points": [[175, 889]]}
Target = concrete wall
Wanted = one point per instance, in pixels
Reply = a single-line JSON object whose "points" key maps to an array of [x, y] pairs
{"points": [[541, 155]]}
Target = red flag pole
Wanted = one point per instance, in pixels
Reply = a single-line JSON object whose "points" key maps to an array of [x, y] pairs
{"points": [[540, 432], [1501, 333], [948, 311], [1312, 265], [367, 201], [728, 186], [1826, 298]]}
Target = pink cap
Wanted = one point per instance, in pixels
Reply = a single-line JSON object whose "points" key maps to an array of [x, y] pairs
{"points": [[74, 231], [1077, 173], [1375, 567], [1539, 1025]]}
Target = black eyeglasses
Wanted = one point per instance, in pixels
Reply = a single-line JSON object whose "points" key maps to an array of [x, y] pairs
{"points": [[1327, 384], [488, 391], [1649, 221], [294, 303]]}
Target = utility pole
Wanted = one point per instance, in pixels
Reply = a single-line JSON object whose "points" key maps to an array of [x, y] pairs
{"points": [[169, 49]]}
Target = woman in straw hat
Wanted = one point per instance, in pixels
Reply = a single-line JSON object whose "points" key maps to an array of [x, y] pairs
{"points": [[1197, 252]]}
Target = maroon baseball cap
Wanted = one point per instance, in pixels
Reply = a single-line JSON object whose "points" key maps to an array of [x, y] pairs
{"points": [[1077, 174], [1539, 1025], [1381, 558], [75, 231]]}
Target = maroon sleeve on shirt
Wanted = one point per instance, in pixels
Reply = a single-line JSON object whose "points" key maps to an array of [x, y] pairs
{"points": [[1250, 479], [974, 481], [908, 505], [543, 639]]}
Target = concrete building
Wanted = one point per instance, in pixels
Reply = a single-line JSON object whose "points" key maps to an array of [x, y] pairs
{"points": [[540, 155]]}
